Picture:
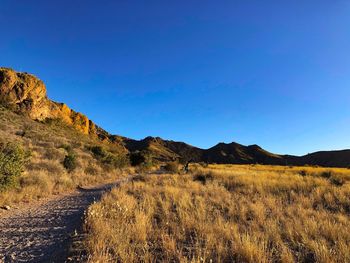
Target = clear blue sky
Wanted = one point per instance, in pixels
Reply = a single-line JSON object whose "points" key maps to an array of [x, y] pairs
{"points": [[273, 73]]}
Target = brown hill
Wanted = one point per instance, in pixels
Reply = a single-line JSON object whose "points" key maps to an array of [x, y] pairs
{"points": [[322, 158], [165, 150], [235, 153]]}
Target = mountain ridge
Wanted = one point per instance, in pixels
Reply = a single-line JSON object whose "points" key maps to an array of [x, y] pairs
{"points": [[25, 94]]}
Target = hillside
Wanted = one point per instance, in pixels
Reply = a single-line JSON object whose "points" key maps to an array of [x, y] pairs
{"points": [[48, 144], [232, 153], [54, 146], [322, 158], [165, 150], [235, 153], [25, 95]]}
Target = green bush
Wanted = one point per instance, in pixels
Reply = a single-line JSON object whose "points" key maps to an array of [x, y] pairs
{"points": [[137, 158], [98, 152], [12, 160], [70, 162], [142, 160], [110, 159], [117, 160], [67, 147]]}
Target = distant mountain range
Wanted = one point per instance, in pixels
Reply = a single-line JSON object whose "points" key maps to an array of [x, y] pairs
{"points": [[25, 94], [233, 153]]}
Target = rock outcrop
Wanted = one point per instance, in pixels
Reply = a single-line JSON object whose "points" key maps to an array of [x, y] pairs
{"points": [[26, 94]]}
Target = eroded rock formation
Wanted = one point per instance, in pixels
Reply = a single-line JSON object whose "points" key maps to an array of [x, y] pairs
{"points": [[26, 94]]}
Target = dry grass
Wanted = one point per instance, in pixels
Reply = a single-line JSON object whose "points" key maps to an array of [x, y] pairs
{"points": [[225, 214], [45, 175]]}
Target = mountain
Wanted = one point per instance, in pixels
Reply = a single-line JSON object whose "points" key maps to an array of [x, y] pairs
{"points": [[165, 150], [231, 153], [235, 153], [322, 158], [25, 94]]}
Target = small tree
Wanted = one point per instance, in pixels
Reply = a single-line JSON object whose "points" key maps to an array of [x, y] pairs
{"points": [[12, 160]]}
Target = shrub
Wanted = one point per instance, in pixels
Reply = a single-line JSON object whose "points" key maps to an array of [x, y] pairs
{"points": [[302, 173], [172, 167], [108, 158], [203, 178], [137, 158], [144, 168], [21, 133], [52, 154], [203, 164], [337, 181], [98, 151], [142, 160], [52, 168], [139, 178], [326, 174], [67, 147], [40, 180], [12, 161], [91, 169], [70, 162], [116, 160]]}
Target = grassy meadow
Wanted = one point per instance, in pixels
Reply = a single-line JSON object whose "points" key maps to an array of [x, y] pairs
{"points": [[225, 213]]}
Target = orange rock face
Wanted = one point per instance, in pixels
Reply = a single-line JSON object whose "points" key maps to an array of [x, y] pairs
{"points": [[26, 94]]}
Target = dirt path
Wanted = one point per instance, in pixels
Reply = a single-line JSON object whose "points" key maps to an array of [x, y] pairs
{"points": [[43, 232]]}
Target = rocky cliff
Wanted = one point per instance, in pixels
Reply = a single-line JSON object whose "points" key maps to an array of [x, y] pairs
{"points": [[26, 94]]}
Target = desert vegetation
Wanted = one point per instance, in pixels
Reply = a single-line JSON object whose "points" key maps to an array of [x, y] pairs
{"points": [[225, 213], [12, 161], [40, 159], [172, 167]]}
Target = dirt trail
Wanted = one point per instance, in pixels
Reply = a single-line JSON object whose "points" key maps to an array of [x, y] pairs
{"points": [[43, 232]]}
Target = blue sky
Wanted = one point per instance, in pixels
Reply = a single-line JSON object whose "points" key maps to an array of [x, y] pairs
{"points": [[273, 73]]}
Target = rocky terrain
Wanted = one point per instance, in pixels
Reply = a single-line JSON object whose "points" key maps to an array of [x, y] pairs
{"points": [[44, 232], [26, 94]]}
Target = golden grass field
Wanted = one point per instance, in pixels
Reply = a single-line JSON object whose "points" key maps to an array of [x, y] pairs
{"points": [[225, 213]]}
